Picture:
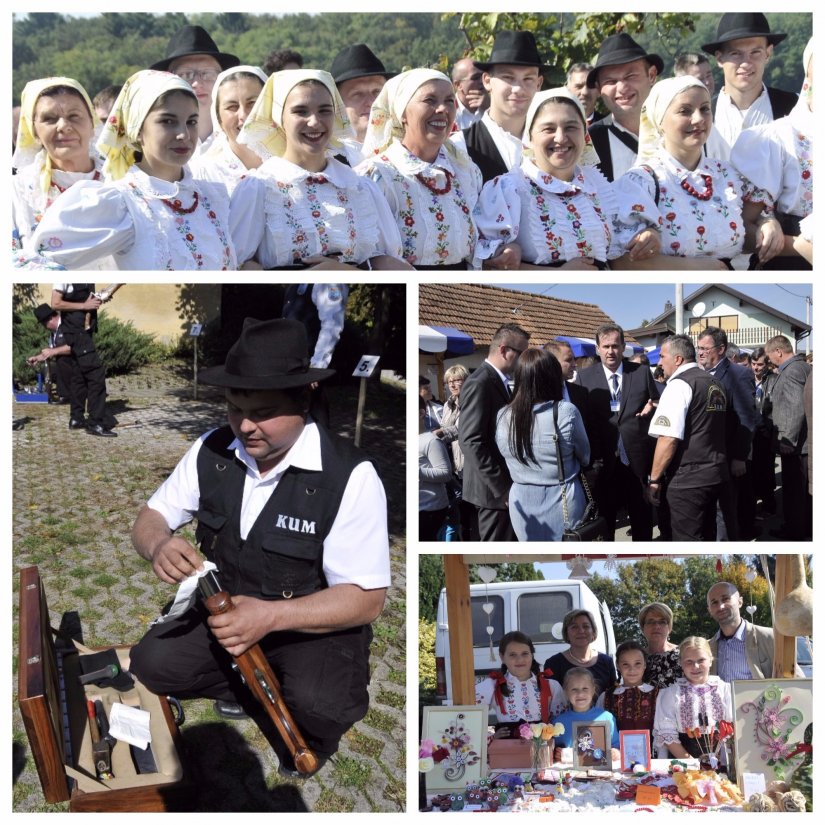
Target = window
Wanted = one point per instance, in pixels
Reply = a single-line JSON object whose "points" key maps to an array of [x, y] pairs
{"points": [[538, 612], [729, 323], [481, 620]]}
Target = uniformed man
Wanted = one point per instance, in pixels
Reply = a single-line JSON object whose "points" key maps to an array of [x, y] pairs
{"points": [[281, 504], [689, 426]]}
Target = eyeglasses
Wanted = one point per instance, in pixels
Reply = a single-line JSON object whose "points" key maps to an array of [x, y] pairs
{"points": [[202, 75], [519, 351], [707, 349], [456, 381], [663, 622]]}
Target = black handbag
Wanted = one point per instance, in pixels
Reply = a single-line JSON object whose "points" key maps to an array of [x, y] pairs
{"points": [[591, 526]]}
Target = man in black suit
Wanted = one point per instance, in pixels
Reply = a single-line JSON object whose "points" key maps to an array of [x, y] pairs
{"points": [[486, 482], [620, 403], [512, 76]]}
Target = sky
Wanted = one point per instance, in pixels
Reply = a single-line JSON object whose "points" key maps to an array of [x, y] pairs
{"points": [[630, 304]]}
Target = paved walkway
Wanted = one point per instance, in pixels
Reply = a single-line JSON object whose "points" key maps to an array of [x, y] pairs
{"points": [[74, 500]]}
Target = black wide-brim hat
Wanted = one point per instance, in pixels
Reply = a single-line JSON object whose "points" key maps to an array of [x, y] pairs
{"points": [[269, 355], [739, 25], [191, 40], [357, 61], [44, 312], [513, 48], [619, 49]]}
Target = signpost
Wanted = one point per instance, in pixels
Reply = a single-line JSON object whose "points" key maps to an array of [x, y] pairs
{"points": [[364, 370], [195, 332]]}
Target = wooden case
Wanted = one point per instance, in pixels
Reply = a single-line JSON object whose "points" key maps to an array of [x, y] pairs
{"points": [[507, 751], [53, 705]]}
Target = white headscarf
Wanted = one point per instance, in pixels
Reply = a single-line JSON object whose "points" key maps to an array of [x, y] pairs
{"points": [[651, 139], [27, 145], [118, 141], [263, 131], [224, 75], [588, 156]]}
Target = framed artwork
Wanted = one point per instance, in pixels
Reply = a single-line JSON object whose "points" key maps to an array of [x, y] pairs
{"points": [[591, 745], [462, 731], [771, 716], [635, 748]]}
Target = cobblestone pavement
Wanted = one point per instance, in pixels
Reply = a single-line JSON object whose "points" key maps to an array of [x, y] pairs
{"points": [[74, 500]]}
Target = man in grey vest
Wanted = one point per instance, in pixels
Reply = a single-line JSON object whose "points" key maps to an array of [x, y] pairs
{"points": [[280, 504]]}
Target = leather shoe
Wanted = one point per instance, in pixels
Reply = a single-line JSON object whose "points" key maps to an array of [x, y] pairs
{"points": [[291, 772], [74, 424], [229, 710], [97, 429]]}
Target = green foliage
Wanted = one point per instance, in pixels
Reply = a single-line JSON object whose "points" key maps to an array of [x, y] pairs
{"points": [[430, 582], [378, 313], [426, 656]]}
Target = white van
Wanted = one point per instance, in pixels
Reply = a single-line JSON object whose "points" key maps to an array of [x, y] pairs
{"points": [[536, 608]]}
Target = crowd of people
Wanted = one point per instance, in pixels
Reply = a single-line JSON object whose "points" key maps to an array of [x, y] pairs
{"points": [[694, 457], [662, 687], [203, 163]]}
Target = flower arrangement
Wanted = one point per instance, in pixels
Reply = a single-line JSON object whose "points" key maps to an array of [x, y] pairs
{"points": [[710, 739], [429, 755], [455, 750], [541, 735]]}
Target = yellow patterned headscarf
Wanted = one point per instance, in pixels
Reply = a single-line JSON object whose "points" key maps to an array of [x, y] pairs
{"points": [[118, 141], [588, 156], [28, 145], [263, 131], [661, 96]]}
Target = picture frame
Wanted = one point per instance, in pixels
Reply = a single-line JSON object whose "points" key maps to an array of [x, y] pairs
{"points": [[462, 730], [635, 749], [770, 718], [591, 745]]}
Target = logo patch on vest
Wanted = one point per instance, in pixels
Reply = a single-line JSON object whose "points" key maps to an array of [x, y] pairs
{"points": [[717, 400], [662, 421], [295, 525]]}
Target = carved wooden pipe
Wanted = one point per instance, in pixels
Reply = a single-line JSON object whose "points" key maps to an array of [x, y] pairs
{"points": [[259, 678]]}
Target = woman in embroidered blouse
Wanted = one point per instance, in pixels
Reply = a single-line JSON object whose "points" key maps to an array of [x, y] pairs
{"points": [[556, 209], [663, 666], [698, 700], [776, 160], [520, 691], [150, 213], [695, 202], [316, 211], [429, 181], [53, 149], [233, 97]]}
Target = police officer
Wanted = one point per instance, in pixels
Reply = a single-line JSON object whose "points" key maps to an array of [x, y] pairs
{"points": [[280, 505], [689, 426], [78, 307]]}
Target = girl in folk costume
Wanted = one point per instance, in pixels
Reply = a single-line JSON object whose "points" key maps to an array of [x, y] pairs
{"points": [[150, 213], [520, 691]]}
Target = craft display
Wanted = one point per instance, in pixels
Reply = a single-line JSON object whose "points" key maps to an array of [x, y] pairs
{"points": [[591, 745], [453, 747]]}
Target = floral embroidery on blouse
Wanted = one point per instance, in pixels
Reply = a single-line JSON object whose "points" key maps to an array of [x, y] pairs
{"points": [[699, 702], [804, 155]]}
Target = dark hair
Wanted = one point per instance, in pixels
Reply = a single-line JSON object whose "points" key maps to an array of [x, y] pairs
{"points": [[275, 61], [107, 95], [579, 67], [161, 101], [560, 99], [505, 333], [641, 358], [538, 379], [607, 329], [520, 639], [658, 372], [758, 353], [687, 59], [422, 404], [54, 91], [239, 76], [720, 338], [631, 644]]}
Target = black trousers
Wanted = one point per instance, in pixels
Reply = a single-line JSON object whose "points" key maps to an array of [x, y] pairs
{"points": [[429, 523], [323, 677], [797, 504], [620, 486], [494, 525], [693, 512], [87, 386]]}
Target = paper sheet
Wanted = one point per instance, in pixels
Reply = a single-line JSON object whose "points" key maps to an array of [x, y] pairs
{"points": [[130, 725], [186, 594]]}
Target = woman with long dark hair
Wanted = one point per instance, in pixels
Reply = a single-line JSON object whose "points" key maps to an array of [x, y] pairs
{"points": [[536, 427]]}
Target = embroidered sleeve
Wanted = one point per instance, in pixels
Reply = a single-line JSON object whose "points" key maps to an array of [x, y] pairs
{"points": [[497, 216], [665, 722], [636, 208]]}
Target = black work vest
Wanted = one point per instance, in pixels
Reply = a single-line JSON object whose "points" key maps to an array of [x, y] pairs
{"points": [[74, 321], [700, 458], [483, 151], [283, 553], [299, 306]]}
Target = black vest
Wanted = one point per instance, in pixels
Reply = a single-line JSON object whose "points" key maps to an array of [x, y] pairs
{"points": [[74, 321], [483, 151], [600, 135], [299, 306], [282, 555], [700, 458]]}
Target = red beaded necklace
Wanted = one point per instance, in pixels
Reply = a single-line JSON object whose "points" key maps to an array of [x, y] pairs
{"points": [[62, 189], [702, 196], [177, 207], [437, 190]]}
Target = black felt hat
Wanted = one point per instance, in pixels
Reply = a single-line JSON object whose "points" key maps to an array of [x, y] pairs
{"points": [[514, 49], [738, 25], [193, 40], [269, 355], [44, 312], [619, 49], [357, 61]]}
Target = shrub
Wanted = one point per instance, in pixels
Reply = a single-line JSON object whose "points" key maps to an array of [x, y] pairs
{"points": [[426, 656]]}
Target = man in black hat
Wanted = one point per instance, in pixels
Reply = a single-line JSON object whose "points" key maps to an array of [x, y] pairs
{"points": [[359, 76], [624, 74], [193, 55], [57, 349], [742, 48], [296, 521], [511, 76]]}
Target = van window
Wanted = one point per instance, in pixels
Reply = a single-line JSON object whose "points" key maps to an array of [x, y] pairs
{"points": [[538, 612], [481, 620]]}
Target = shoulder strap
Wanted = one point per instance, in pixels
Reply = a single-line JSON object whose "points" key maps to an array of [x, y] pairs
{"points": [[652, 173], [601, 142], [623, 137]]}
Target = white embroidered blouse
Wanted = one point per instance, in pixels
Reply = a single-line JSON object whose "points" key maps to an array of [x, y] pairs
{"points": [[142, 221], [219, 164], [552, 220], [280, 213], [684, 706], [432, 204], [523, 701], [699, 212]]}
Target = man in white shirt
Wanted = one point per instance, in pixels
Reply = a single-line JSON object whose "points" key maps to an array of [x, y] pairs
{"points": [[743, 46], [512, 76], [624, 74], [280, 505], [472, 98]]}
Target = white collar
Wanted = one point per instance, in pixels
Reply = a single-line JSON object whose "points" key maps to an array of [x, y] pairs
{"points": [[553, 185], [409, 164], [760, 102], [304, 453], [609, 375], [337, 173], [158, 188], [644, 688], [501, 375]]}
